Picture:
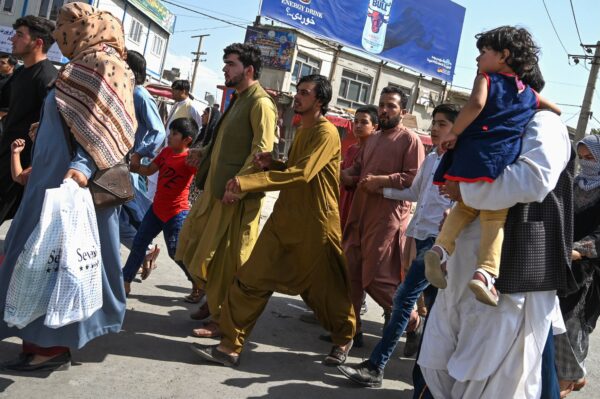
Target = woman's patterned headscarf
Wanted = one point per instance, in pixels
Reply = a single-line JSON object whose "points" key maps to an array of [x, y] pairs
{"points": [[94, 91], [589, 175]]}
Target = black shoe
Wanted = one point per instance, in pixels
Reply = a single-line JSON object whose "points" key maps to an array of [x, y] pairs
{"points": [[363, 307], [212, 354], [413, 339], [23, 363], [22, 358], [364, 374], [358, 339]]}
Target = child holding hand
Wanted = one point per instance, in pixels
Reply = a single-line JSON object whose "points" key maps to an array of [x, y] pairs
{"points": [[16, 169]]}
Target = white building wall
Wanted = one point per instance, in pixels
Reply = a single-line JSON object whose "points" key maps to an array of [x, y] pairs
{"points": [[317, 50], [154, 59], [145, 44], [397, 78], [115, 7], [149, 31], [33, 7], [7, 18], [133, 16], [349, 62]]}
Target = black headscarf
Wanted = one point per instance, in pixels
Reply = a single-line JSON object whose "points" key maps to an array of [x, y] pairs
{"points": [[208, 130]]}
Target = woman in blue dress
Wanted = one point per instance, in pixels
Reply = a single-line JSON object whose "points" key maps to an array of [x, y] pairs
{"points": [[486, 138], [94, 95]]}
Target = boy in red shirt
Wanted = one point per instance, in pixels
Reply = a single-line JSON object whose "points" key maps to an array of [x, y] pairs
{"points": [[171, 205]]}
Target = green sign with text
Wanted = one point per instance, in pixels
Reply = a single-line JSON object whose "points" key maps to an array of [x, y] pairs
{"points": [[157, 11]]}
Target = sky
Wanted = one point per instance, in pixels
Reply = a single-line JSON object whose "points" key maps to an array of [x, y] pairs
{"points": [[565, 81]]}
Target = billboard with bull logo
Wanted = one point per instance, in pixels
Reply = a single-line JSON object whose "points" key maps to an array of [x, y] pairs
{"points": [[422, 35]]}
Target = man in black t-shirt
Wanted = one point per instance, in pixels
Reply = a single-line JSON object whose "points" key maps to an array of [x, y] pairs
{"points": [[24, 96]]}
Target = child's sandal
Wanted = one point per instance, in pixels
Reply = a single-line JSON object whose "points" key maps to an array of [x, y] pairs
{"points": [[485, 292], [434, 272]]}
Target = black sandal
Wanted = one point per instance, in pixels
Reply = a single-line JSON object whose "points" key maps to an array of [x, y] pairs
{"points": [[337, 356]]}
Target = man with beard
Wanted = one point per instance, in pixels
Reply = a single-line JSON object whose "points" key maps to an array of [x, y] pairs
{"points": [[219, 233], [375, 225], [24, 97], [298, 251]]}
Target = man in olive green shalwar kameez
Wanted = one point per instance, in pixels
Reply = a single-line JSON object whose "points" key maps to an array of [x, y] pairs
{"points": [[219, 233], [299, 249]]}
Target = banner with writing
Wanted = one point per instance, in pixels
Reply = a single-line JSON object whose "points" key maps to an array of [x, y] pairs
{"points": [[422, 35], [276, 46]]}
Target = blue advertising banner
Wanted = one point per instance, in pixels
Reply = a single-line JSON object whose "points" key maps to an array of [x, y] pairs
{"points": [[422, 35], [276, 46]]}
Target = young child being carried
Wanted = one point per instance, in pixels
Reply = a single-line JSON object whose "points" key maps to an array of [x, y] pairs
{"points": [[485, 138], [171, 205]]}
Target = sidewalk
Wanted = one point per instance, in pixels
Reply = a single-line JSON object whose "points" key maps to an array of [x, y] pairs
{"points": [[151, 358]]}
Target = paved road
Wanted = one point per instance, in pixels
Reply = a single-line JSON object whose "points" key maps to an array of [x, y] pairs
{"points": [[150, 358]]}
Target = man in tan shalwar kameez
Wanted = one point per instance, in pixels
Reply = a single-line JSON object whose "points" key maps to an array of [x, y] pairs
{"points": [[299, 249], [219, 233], [374, 231]]}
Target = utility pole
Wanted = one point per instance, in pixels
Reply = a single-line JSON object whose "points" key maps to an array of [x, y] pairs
{"points": [[586, 106], [197, 59]]}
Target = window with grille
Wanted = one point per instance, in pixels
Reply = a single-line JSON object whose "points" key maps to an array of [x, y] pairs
{"points": [[305, 65], [157, 45], [7, 5], [135, 30], [48, 8], [355, 89]]}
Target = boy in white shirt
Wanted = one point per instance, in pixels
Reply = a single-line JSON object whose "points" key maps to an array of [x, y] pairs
{"points": [[424, 228]]}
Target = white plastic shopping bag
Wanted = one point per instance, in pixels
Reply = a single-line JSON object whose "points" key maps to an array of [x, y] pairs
{"points": [[36, 269], [78, 290]]}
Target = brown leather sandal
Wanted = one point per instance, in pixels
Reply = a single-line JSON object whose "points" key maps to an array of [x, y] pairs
{"points": [[195, 296], [150, 262], [210, 330], [337, 356]]}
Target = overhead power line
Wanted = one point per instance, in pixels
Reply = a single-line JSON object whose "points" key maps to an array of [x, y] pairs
{"points": [[575, 20], [571, 117], [213, 12], [554, 27], [201, 29], [204, 14], [569, 105], [564, 83], [241, 21]]}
